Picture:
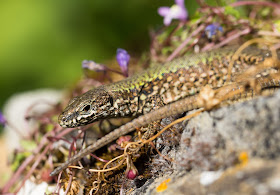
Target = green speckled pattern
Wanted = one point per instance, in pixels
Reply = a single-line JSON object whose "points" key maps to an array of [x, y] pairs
{"points": [[168, 82]]}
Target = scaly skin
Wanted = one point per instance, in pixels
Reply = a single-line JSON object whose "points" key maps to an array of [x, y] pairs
{"points": [[169, 82], [180, 106], [176, 83]]}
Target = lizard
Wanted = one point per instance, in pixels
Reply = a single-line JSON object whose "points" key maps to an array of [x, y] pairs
{"points": [[176, 84]]}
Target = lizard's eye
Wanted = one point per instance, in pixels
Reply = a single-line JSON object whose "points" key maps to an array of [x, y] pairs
{"points": [[86, 108]]}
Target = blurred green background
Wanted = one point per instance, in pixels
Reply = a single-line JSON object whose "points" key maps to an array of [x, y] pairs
{"points": [[42, 43]]}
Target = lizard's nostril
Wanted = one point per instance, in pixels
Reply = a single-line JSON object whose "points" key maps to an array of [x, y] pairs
{"points": [[62, 119]]}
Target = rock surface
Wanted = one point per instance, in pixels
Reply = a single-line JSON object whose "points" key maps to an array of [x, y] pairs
{"points": [[231, 150]]}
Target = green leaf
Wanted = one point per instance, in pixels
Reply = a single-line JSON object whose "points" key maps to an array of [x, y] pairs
{"points": [[167, 50], [28, 145], [232, 11], [215, 2], [277, 25], [163, 36], [18, 159], [195, 17], [265, 11], [191, 7], [49, 127], [184, 35]]}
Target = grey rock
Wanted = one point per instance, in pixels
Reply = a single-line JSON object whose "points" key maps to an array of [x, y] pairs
{"points": [[209, 150]]}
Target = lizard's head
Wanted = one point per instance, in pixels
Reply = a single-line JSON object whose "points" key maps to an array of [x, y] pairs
{"points": [[84, 109]]}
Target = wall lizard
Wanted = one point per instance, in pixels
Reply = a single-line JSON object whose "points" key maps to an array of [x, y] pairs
{"points": [[176, 83]]}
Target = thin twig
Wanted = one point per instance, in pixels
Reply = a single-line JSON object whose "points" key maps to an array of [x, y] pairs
{"points": [[58, 184], [178, 49], [23, 166], [69, 184], [98, 158], [268, 33], [33, 167], [103, 170], [235, 36], [261, 3]]}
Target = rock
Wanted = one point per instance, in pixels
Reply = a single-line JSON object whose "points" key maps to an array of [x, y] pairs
{"points": [[231, 150]]}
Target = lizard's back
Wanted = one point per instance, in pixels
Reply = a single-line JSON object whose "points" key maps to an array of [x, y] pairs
{"points": [[169, 82]]}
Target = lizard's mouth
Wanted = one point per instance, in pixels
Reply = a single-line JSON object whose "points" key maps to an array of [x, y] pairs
{"points": [[73, 120], [67, 120], [63, 122]]}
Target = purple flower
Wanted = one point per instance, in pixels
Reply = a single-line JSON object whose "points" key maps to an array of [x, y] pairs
{"points": [[91, 65], [2, 119], [213, 29], [177, 11], [123, 59]]}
